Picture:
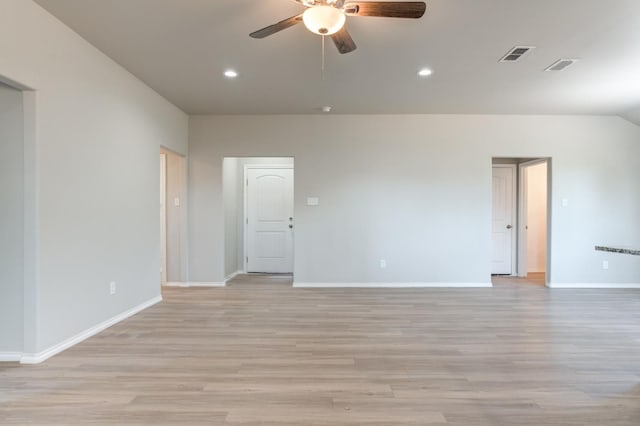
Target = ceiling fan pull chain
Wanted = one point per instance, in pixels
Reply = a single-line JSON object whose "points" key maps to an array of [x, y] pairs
{"points": [[323, 58]]}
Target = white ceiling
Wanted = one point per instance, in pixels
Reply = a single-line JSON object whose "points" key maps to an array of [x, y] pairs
{"points": [[181, 48]]}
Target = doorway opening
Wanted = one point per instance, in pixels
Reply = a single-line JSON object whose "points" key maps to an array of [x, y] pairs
{"points": [[521, 194], [173, 228], [12, 225], [19, 242], [259, 216]]}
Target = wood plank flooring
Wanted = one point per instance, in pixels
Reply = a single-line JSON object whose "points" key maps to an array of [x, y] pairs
{"points": [[262, 353]]}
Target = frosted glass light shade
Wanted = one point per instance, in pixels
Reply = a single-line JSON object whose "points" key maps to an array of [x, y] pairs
{"points": [[323, 20]]}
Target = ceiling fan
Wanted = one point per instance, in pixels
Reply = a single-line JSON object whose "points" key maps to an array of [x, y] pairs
{"points": [[328, 17]]}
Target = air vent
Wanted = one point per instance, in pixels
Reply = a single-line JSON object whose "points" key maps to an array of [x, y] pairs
{"points": [[561, 64], [516, 53]]}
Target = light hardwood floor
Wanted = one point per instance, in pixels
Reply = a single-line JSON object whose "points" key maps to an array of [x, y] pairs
{"points": [[261, 352]]}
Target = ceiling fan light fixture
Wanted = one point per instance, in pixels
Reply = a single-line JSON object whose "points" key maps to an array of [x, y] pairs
{"points": [[324, 20]]}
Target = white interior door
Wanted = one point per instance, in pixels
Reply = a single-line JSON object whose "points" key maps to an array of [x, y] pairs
{"points": [[270, 220], [536, 217], [502, 220]]}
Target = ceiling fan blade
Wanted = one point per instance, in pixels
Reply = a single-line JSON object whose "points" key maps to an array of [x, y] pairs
{"points": [[387, 9], [272, 29], [343, 41]]}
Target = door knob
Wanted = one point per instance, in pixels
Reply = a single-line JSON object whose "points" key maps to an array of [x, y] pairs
{"points": [[290, 226], [509, 226]]}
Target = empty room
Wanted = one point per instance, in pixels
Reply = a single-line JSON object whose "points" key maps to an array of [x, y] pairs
{"points": [[320, 212]]}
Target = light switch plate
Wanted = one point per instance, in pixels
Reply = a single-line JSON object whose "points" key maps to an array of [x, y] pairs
{"points": [[565, 202], [313, 201], [176, 202]]}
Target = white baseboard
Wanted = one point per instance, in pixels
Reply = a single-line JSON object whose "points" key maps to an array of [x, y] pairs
{"points": [[594, 285], [233, 275], [195, 284], [392, 285], [36, 358], [10, 356], [205, 284]]}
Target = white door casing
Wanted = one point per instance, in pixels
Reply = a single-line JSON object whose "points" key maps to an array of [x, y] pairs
{"points": [[522, 219], [503, 217], [163, 219], [269, 220]]}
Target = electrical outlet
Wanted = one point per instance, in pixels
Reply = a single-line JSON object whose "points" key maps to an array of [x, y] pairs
{"points": [[112, 287], [605, 264], [383, 263]]}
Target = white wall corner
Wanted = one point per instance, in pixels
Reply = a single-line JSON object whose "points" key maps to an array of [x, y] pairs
{"points": [[633, 116], [392, 285], [232, 276], [595, 285], [36, 358]]}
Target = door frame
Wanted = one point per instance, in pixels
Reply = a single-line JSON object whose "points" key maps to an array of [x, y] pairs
{"points": [[30, 276], [522, 216], [175, 172], [245, 195], [514, 213], [163, 218]]}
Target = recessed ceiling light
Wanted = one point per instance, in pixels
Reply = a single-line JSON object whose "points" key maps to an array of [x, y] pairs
{"points": [[425, 72], [230, 74], [326, 108]]}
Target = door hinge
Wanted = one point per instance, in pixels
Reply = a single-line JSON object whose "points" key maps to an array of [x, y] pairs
{"points": [[247, 182], [247, 221], [247, 259]]}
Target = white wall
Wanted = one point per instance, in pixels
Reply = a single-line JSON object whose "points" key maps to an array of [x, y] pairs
{"points": [[98, 130], [415, 190], [11, 220], [536, 217], [232, 207]]}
